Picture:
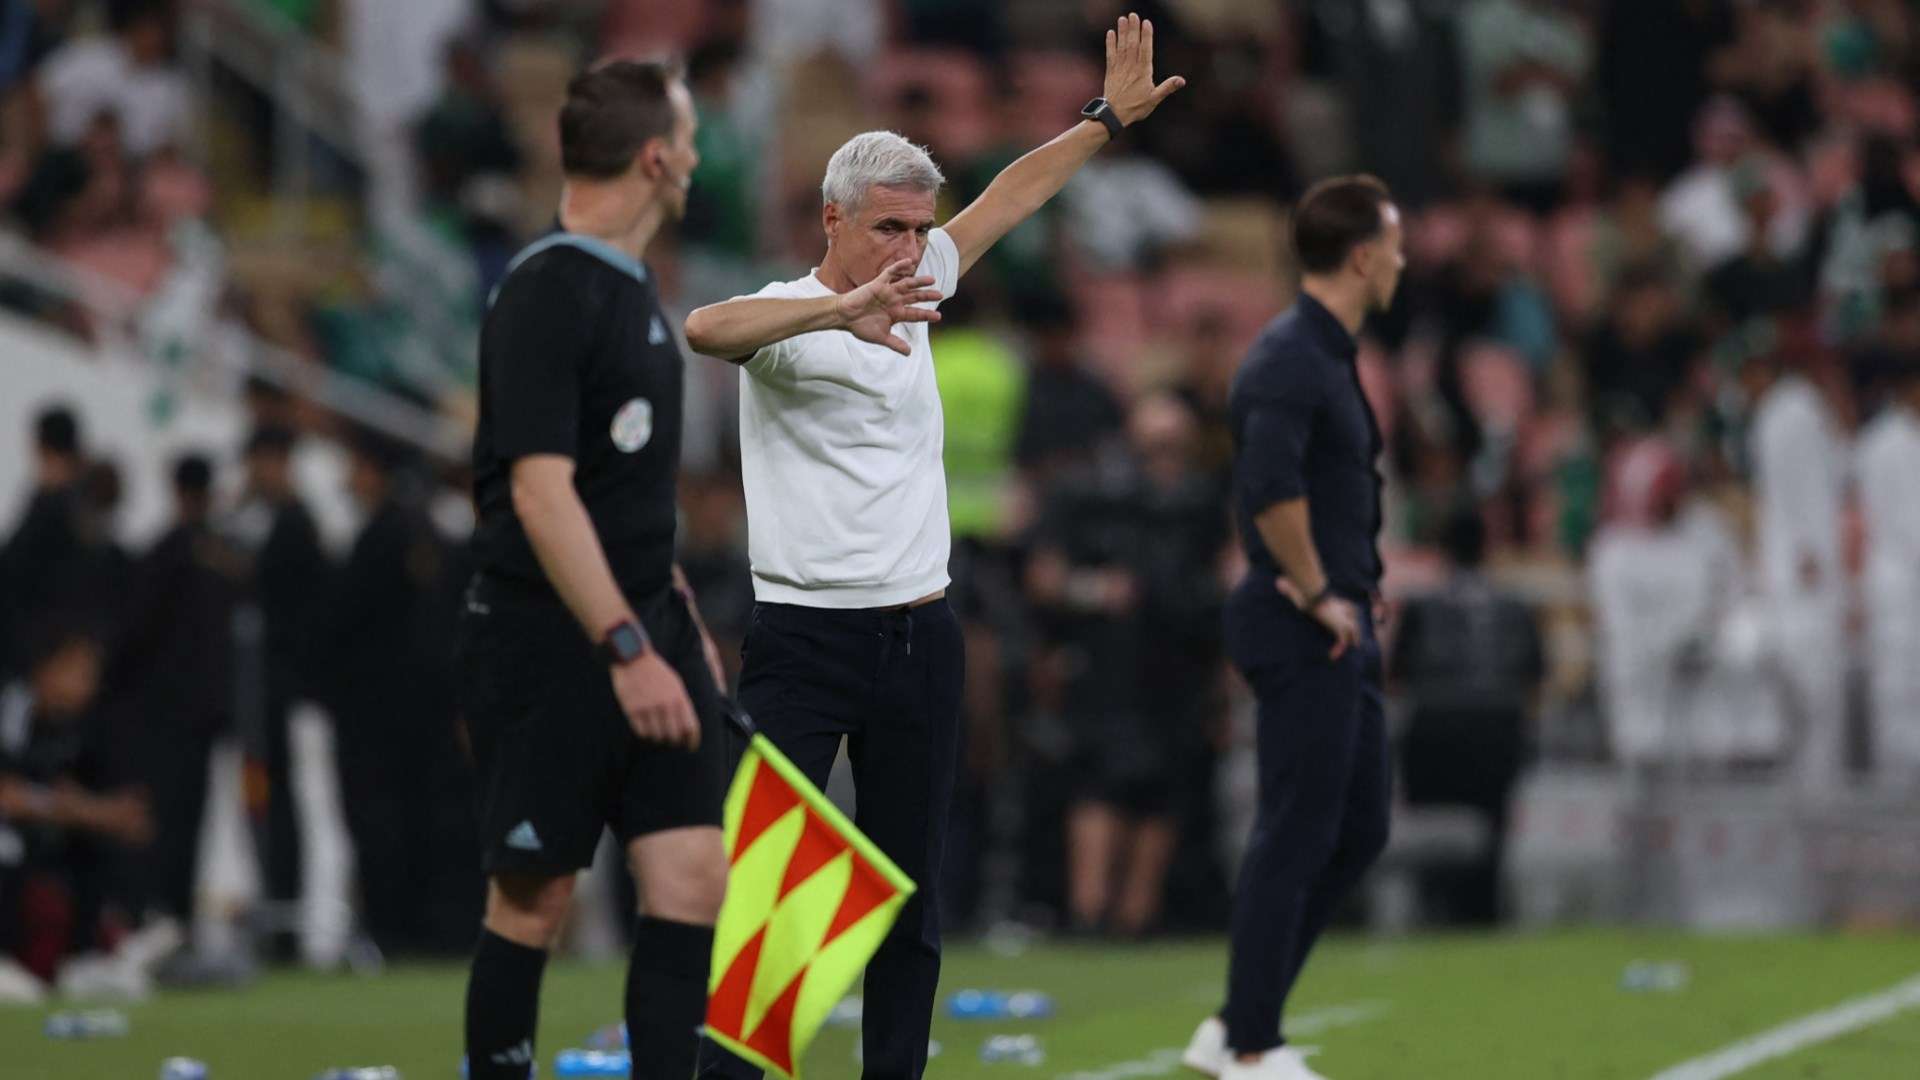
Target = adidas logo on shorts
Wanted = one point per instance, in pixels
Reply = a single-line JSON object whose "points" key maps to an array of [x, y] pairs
{"points": [[523, 838]]}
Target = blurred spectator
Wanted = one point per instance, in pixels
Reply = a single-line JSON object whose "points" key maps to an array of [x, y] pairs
{"points": [[1870, 235], [171, 677], [128, 74], [1397, 66], [1888, 470], [1655, 65], [1125, 209], [1881, 360], [59, 803], [713, 555], [468, 158], [1069, 411], [102, 576], [1470, 661], [982, 389], [1663, 576], [386, 639], [1120, 572], [1524, 62], [721, 216], [1639, 357], [1770, 66], [285, 581], [34, 560], [1759, 281], [1706, 207], [1800, 468]]}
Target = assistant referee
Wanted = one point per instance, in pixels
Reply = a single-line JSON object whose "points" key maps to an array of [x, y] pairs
{"points": [[1307, 503], [591, 693]]}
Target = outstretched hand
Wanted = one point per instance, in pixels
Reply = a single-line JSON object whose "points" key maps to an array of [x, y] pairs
{"points": [[871, 311], [1130, 89]]}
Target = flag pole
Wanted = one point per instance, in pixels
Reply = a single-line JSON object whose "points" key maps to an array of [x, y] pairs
{"points": [[738, 717]]}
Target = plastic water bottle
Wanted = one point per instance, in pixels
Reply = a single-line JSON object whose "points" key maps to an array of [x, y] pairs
{"points": [[183, 1068], [592, 1063], [365, 1072], [1012, 1050], [96, 1024], [1654, 977], [611, 1037], [977, 1005], [1029, 1005]]}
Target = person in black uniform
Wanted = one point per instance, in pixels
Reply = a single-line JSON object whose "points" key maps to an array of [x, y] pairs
{"points": [[34, 561], [1121, 569], [393, 708], [287, 572], [1470, 661], [590, 684], [1306, 498], [171, 679]]}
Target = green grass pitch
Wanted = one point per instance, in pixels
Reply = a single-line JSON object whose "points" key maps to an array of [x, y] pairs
{"points": [[1547, 1007]]}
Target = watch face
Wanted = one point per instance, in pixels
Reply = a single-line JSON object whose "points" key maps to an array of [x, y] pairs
{"points": [[624, 642]]}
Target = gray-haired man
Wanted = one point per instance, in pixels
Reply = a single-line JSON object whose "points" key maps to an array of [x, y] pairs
{"points": [[841, 436]]}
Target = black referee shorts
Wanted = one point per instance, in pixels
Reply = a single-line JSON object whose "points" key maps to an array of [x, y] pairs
{"points": [[556, 760]]}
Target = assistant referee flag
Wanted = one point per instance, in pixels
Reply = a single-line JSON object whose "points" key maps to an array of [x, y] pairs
{"points": [[808, 901]]}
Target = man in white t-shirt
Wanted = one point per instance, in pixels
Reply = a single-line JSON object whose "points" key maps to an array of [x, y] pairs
{"points": [[841, 435]]}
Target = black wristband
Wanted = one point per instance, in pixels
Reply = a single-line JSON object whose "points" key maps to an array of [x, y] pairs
{"points": [[1319, 597]]}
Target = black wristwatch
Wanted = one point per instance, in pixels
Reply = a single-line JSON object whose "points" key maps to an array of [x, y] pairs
{"points": [[1099, 109], [623, 644]]}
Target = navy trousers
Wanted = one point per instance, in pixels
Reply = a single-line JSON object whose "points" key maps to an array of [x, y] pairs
{"points": [[889, 682], [1325, 793]]}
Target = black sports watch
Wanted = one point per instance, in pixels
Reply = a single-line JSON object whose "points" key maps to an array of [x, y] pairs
{"points": [[1099, 109], [623, 644]]}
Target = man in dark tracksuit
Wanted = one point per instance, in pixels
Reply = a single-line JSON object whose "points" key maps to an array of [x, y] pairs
{"points": [[1307, 502]]}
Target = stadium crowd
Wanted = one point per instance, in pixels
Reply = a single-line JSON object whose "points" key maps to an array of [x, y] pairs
{"points": [[1651, 397]]}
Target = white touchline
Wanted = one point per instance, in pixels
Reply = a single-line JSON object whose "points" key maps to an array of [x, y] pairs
{"points": [[1163, 1062], [1848, 1016]]}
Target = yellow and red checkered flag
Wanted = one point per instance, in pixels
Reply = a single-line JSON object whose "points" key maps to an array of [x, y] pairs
{"points": [[809, 899]]}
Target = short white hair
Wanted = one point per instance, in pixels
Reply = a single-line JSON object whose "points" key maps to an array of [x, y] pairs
{"points": [[877, 157]]}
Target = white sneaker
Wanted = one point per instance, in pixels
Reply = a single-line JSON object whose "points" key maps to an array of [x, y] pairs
{"points": [[1206, 1052], [95, 975], [18, 986], [1279, 1063]]}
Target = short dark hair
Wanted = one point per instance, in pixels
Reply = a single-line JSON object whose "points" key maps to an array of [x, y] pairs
{"points": [[1335, 216], [611, 112], [57, 431], [192, 475]]}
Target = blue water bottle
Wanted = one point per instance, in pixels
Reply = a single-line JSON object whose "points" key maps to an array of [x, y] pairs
{"points": [[1029, 1005], [1012, 1050], [183, 1068], [977, 1005]]}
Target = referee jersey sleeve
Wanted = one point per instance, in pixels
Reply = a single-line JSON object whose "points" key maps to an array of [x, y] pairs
{"points": [[539, 338]]}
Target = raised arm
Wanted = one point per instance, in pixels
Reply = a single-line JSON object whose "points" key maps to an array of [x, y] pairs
{"points": [[736, 329], [1026, 185]]}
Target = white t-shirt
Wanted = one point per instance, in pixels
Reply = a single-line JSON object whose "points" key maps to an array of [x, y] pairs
{"points": [[840, 444]]}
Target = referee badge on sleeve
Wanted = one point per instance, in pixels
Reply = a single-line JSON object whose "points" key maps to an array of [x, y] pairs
{"points": [[633, 425]]}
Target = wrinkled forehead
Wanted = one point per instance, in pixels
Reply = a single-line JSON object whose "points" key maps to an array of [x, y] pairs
{"points": [[910, 208]]}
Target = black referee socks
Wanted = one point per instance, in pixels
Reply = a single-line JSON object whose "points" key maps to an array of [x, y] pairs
{"points": [[503, 1007], [667, 996]]}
